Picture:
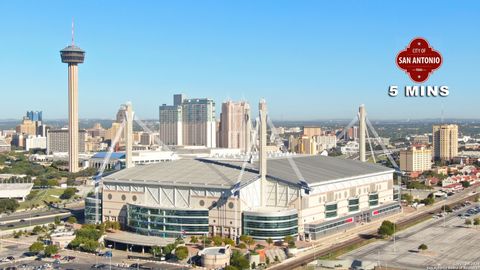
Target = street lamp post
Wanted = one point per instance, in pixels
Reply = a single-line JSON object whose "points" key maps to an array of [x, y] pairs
{"points": [[110, 255]]}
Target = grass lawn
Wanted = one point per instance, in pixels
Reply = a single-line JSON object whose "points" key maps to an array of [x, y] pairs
{"points": [[41, 195]]}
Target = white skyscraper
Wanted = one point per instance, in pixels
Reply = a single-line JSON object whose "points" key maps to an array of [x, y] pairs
{"points": [[188, 122]]}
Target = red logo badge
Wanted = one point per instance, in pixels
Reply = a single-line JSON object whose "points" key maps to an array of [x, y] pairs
{"points": [[419, 60]]}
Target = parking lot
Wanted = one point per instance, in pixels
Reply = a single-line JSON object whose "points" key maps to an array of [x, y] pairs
{"points": [[68, 259], [450, 244]]}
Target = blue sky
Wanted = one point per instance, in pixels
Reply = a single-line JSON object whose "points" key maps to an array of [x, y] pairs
{"points": [[309, 59]]}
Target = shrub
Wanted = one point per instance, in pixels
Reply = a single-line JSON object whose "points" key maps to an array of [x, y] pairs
{"points": [[36, 247], [242, 246], [228, 241], [72, 219], [422, 247], [181, 253], [217, 240], [193, 239]]}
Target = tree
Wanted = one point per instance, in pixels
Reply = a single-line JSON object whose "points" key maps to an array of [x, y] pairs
{"points": [[239, 261], [169, 248], [428, 201], [113, 225], [217, 240], [68, 193], [476, 221], [181, 253], [8, 205], [50, 250], [228, 241], [72, 219], [269, 241], [468, 222], [287, 238], [17, 234], [249, 241], [465, 184], [243, 237], [291, 244], [156, 251], [193, 239], [89, 246], [230, 267], [407, 197], [267, 260], [37, 230], [446, 208], [36, 247], [387, 228], [254, 265], [423, 247], [57, 220]]}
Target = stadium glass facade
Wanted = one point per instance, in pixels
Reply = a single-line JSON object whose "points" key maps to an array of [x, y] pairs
{"points": [[90, 212], [166, 222], [275, 225]]}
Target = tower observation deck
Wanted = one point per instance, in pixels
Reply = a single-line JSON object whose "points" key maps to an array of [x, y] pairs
{"points": [[72, 55]]}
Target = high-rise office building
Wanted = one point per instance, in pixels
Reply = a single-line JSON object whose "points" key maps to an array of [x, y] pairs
{"points": [[235, 125], [96, 131], [199, 124], [27, 127], [352, 133], [120, 114], [73, 55], [58, 141], [445, 142], [416, 159], [312, 131], [171, 127], [35, 115], [188, 122], [35, 142]]}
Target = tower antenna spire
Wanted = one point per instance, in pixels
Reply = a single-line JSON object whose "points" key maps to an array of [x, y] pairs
{"points": [[73, 32]]}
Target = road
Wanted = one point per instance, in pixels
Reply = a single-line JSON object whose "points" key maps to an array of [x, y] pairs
{"points": [[309, 255]]}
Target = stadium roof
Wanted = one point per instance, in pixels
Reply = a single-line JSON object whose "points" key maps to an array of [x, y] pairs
{"points": [[317, 169], [313, 169], [185, 172], [224, 174]]}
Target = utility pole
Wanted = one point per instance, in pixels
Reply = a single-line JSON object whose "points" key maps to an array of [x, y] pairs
{"points": [[394, 228], [444, 212]]}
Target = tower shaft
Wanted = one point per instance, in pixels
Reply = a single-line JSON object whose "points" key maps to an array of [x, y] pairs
{"points": [[73, 117], [362, 131], [262, 109], [128, 135]]}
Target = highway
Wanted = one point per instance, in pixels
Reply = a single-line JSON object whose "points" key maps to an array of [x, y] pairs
{"points": [[32, 218], [308, 256]]}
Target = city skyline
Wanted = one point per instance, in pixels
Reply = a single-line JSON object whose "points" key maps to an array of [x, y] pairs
{"points": [[278, 52]]}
